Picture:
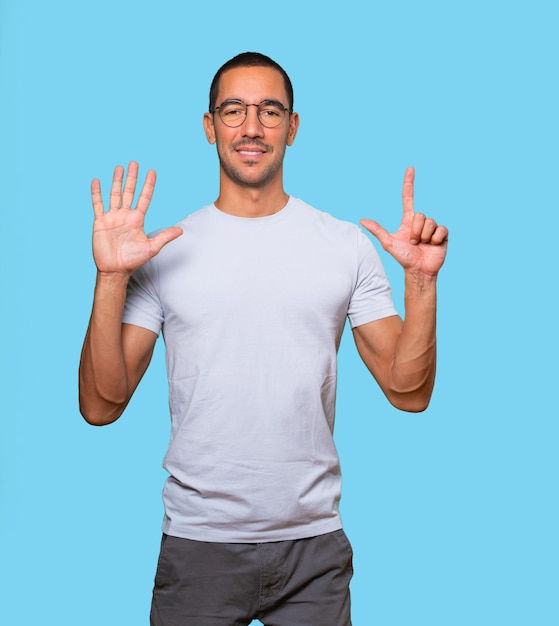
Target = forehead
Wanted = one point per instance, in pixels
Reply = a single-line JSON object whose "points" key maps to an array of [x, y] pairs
{"points": [[251, 85]]}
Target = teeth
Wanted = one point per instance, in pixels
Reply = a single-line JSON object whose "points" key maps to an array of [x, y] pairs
{"points": [[250, 152]]}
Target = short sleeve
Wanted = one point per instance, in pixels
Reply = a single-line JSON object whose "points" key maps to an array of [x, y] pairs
{"points": [[143, 306], [372, 297]]}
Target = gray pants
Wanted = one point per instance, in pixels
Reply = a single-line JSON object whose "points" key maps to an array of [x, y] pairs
{"points": [[304, 582]]}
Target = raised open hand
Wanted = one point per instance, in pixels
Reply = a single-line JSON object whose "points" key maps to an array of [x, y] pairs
{"points": [[419, 244], [120, 244]]}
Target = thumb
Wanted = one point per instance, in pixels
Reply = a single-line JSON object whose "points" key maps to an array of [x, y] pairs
{"points": [[378, 231], [164, 237]]}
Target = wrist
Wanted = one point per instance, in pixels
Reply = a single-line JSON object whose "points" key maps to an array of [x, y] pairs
{"points": [[112, 280], [420, 280]]}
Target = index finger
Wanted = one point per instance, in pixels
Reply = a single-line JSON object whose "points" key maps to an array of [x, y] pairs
{"points": [[147, 192], [407, 193]]}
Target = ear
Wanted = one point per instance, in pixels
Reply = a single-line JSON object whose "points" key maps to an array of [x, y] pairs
{"points": [[293, 128], [209, 128]]}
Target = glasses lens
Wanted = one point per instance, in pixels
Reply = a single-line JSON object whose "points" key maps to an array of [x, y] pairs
{"points": [[233, 113], [270, 114]]}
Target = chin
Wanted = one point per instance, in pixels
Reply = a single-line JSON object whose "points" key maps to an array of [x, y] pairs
{"points": [[256, 181]]}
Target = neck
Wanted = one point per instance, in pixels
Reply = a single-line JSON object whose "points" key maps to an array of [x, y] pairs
{"points": [[251, 201]]}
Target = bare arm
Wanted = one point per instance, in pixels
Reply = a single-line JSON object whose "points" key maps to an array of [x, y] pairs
{"points": [[115, 355], [402, 355]]}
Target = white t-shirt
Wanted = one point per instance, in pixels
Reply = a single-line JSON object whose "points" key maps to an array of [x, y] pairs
{"points": [[252, 313]]}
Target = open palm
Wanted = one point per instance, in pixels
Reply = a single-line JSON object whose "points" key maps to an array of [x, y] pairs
{"points": [[120, 244]]}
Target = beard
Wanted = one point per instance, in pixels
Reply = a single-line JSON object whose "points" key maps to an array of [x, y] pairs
{"points": [[251, 174]]}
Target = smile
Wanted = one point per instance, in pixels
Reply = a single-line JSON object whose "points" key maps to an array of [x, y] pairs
{"points": [[251, 152]]}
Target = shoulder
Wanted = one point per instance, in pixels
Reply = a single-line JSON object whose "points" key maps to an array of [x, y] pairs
{"points": [[199, 217], [175, 250], [190, 223], [328, 225], [189, 220]]}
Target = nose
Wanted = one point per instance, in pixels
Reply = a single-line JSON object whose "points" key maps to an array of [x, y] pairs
{"points": [[252, 127]]}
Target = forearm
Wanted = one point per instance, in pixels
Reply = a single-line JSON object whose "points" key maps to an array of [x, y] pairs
{"points": [[413, 369], [103, 380]]}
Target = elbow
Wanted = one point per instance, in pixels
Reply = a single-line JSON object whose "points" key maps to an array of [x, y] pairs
{"points": [[94, 418], [411, 393], [99, 413], [97, 408], [415, 401], [416, 405]]}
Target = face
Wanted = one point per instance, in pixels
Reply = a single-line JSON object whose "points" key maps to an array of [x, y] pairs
{"points": [[251, 155]]}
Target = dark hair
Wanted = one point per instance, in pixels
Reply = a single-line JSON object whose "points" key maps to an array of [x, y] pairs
{"points": [[250, 59]]}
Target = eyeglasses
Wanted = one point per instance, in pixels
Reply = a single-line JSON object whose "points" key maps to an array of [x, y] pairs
{"points": [[234, 112]]}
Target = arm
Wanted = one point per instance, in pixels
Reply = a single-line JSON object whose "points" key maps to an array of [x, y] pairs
{"points": [[402, 355], [115, 355]]}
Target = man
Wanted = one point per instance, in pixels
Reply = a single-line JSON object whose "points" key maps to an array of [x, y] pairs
{"points": [[251, 294]]}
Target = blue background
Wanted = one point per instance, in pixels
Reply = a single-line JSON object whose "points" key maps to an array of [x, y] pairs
{"points": [[452, 513]]}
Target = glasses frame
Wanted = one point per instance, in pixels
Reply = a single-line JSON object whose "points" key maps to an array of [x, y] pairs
{"points": [[264, 102]]}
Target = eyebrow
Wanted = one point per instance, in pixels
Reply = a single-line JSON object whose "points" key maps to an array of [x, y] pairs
{"points": [[267, 101], [275, 102]]}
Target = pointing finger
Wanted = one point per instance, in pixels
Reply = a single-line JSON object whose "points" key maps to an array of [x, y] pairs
{"points": [[407, 194], [147, 192]]}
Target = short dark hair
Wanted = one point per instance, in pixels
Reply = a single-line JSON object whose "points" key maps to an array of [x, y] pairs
{"points": [[250, 59]]}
